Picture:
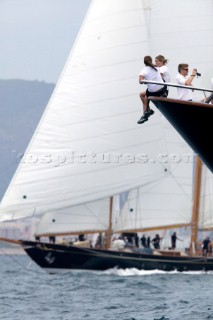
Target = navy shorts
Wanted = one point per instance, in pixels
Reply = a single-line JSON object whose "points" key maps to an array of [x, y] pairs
{"points": [[156, 93]]}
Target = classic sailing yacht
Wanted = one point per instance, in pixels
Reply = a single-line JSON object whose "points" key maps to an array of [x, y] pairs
{"points": [[89, 167]]}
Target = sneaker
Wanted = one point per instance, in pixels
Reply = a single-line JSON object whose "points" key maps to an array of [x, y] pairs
{"points": [[149, 113], [142, 120]]}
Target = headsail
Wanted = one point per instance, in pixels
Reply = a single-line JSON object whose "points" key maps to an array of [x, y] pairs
{"points": [[82, 149]]}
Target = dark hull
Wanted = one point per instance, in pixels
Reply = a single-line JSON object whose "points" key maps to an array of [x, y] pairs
{"points": [[55, 258], [193, 121]]}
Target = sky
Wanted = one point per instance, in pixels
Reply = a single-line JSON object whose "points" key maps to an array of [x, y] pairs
{"points": [[36, 37]]}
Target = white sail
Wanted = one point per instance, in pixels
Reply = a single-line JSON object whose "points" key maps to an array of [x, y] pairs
{"points": [[174, 31], [80, 151], [206, 200], [182, 31], [88, 145], [92, 217], [165, 203], [169, 203]]}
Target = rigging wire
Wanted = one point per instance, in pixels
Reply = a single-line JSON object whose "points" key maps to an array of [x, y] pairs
{"points": [[11, 257]]}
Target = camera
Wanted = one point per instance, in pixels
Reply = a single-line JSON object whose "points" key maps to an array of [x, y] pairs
{"points": [[197, 73]]}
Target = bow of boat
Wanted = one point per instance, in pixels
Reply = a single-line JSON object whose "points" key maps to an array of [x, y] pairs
{"points": [[193, 121]]}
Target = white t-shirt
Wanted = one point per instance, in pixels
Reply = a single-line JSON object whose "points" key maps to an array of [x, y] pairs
{"points": [[151, 74], [183, 94], [165, 73]]}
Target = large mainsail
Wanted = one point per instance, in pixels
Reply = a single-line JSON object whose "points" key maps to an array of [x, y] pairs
{"points": [[87, 141], [88, 145]]}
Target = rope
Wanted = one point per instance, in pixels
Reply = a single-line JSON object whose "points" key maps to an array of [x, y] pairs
{"points": [[17, 262]]}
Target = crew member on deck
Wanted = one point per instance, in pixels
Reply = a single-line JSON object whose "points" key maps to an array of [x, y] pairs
{"points": [[52, 239], [143, 241], [148, 242], [156, 241], [37, 238], [206, 246], [183, 79], [174, 238], [81, 237]]}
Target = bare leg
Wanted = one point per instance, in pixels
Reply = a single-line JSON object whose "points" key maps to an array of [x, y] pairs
{"points": [[146, 110], [145, 101]]}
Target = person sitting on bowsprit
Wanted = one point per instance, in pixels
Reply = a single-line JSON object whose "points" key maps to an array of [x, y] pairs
{"points": [[151, 73]]}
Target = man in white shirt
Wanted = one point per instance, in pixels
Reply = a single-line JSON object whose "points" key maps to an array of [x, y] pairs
{"points": [[183, 79]]}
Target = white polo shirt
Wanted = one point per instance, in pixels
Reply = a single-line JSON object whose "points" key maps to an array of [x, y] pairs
{"points": [[165, 73], [151, 74], [183, 94]]}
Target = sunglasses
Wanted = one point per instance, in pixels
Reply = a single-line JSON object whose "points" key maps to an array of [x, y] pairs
{"points": [[186, 69]]}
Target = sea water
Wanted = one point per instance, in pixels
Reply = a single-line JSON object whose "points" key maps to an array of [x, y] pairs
{"points": [[28, 293]]}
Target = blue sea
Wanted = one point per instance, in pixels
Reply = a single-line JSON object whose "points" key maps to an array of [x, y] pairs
{"points": [[29, 293]]}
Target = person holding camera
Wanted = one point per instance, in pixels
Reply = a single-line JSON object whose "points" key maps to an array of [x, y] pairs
{"points": [[183, 79]]}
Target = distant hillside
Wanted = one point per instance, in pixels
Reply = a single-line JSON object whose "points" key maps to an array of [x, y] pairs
{"points": [[21, 106]]}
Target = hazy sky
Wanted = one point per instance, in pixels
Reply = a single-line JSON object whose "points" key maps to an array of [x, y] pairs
{"points": [[36, 37]]}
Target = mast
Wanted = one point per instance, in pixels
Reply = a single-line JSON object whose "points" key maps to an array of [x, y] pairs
{"points": [[109, 231], [196, 203]]}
